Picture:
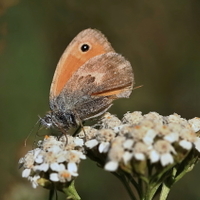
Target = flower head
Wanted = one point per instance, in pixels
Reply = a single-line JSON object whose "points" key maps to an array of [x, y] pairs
{"points": [[54, 158]]}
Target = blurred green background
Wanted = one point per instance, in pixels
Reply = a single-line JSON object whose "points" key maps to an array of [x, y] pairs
{"points": [[160, 38]]}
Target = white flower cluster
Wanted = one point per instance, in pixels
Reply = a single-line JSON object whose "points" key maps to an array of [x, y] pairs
{"points": [[143, 137], [56, 160], [114, 143]]}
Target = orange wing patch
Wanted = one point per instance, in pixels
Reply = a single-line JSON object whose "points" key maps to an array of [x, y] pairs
{"points": [[72, 59], [114, 92]]}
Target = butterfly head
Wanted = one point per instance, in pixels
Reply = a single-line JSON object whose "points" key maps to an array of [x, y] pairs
{"points": [[59, 120]]}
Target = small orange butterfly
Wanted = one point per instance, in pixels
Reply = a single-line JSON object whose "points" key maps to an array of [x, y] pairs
{"points": [[88, 77]]}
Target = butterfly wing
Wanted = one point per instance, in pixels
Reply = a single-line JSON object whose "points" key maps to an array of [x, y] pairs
{"points": [[86, 82], [92, 88], [73, 57]]}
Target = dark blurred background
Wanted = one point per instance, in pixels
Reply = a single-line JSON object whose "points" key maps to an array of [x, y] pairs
{"points": [[160, 38]]}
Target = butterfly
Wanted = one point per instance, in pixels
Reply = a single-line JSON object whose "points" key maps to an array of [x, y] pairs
{"points": [[88, 77]]}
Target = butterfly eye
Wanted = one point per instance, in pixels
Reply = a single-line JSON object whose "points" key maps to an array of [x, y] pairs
{"points": [[85, 47]]}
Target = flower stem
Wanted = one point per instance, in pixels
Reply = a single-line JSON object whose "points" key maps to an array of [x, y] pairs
{"points": [[126, 184], [164, 192], [150, 192], [71, 192], [135, 184]]}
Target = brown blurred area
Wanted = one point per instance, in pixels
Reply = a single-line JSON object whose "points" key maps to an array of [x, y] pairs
{"points": [[160, 38]]}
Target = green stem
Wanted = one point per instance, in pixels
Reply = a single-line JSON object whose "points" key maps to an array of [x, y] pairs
{"points": [[71, 192], [164, 192], [135, 184], [151, 190], [140, 183], [123, 179], [187, 168], [51, 194]]}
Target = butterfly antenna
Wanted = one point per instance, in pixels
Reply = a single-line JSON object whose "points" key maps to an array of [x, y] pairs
{"points": [[37, 135], [25, 142], [39, 128]]}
